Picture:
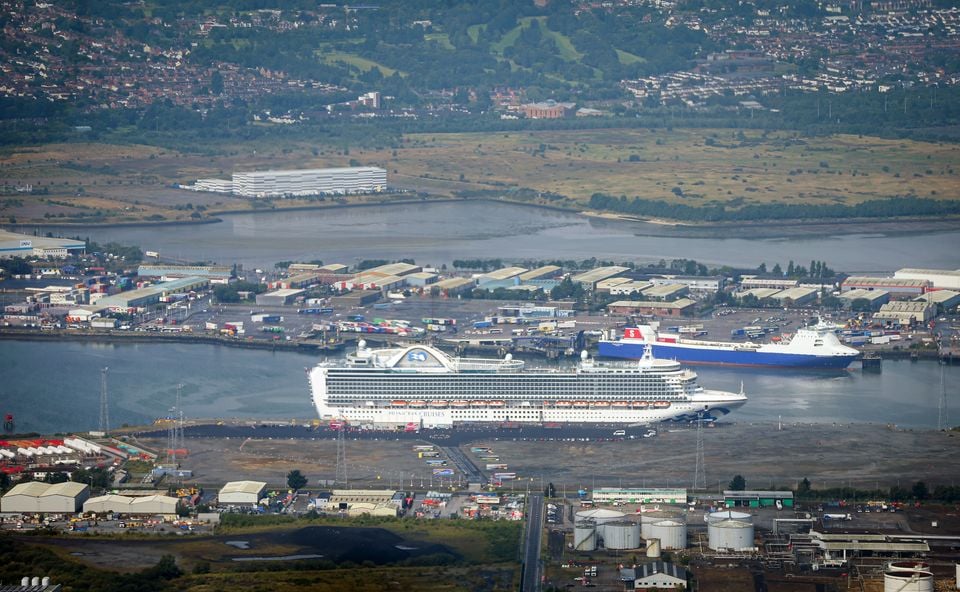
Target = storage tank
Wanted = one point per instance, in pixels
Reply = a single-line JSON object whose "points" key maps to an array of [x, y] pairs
{"points": [[672, 534], [584, 536], [735, 535], [600, 515], [621, 534], [729, 515], [907, 580], [648, 519], [653, 548]]}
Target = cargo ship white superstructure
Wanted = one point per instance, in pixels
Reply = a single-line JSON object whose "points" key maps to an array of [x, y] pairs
{"points": [[420, 384]]}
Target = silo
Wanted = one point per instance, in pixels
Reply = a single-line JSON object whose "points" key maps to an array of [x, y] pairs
{"points": [[584, 536], [733, 535], [671, 533], [621, 534], [648, 519], [907, 580], [729, 515], [600, 515], [653, 548]]}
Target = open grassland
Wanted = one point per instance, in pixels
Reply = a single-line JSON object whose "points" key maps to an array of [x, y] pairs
{"points": [[81, 563], [696, 167], [705, 166]]}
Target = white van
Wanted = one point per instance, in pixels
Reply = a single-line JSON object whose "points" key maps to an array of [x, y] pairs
{"points": [[620, 433]]}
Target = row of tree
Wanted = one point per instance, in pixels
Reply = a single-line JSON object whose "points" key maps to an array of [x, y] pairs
{"points": [[878, 208]]}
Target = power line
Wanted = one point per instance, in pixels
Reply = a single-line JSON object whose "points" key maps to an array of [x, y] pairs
{"points": [[700, 468], [942, 405], [342, 476]]}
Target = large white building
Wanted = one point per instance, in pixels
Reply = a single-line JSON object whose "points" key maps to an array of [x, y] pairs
{"points": [[14, 244], [153, 505], [944, 279], [247, 493], [37, 497], [334, 181]]}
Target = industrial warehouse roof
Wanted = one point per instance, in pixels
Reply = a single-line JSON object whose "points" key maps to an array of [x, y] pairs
{"points": [[14, 243], [682, 303], [285, 292], [454, 282], [243, 487], [760, 293], [939, 296], [757, 494], [393, 269], [915, 270], [422, 275], [123, 298], [504, 273], [882, 547], [601, 273], [664, 291], [158, 270], [40, 489], [795, 293], [906, 306], [539, 272], [860, 293], [885, 282], [611, 282]]}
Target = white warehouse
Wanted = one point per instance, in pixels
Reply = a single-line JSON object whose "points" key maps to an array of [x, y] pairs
{"points": [[38, 497], [310, 182]]}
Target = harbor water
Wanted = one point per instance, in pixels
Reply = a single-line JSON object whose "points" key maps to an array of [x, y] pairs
{"points": [[55, 386], [438, 233]]}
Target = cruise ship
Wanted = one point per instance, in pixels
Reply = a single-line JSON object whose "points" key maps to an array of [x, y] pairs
{"points": [[423, 386], [810, 347]]}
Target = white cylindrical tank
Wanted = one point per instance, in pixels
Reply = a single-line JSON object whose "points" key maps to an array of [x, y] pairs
{"points": [[584, 536], [729, 515], [653, 548], [600, 515], [648, 519], [908, 566], [735, 535], [907, 580], [621, 534], [671, 533]]}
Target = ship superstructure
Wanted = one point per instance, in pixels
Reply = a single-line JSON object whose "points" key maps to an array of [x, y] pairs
{"points": [[423, 385]]}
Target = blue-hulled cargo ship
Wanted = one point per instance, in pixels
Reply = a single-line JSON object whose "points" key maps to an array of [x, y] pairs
{"points": [[811, 347]]}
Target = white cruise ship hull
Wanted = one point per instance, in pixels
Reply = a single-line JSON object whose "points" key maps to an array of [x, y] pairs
{"points": [[421, 385]]}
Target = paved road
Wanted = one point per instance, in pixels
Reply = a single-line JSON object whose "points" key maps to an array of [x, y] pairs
{"points": [[531, 547], [469, 469], [442, 437]]}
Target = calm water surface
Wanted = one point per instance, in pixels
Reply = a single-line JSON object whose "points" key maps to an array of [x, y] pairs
{"points": [[437, 233], [55, 386]]}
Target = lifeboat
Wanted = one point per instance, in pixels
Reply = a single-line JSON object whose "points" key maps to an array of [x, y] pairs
{"points": [[496, 403], [580, 404], [459, 403], [640, 404], [661, 404], [600, 404], [478, 403], [619, 404], [438, 403], [418, 403], [563, 403], [398, 403]]}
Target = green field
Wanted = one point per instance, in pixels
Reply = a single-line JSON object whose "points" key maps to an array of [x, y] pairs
{"points": [[488, 550]]}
